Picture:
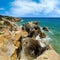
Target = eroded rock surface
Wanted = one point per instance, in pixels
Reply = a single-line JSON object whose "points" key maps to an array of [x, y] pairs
{"points": [[18, 43], [49, 55], [12, 19]]}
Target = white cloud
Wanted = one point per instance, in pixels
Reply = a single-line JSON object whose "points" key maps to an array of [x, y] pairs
{"points": [[2, 9], [58, 11], [29, 7]]}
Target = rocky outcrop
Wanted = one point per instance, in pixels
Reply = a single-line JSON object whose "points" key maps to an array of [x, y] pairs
{"points": [[12, 19], [6, 25], [9, 39], [32, 47], [30, 43], [21, 43], [32, 28], [45, 29]]}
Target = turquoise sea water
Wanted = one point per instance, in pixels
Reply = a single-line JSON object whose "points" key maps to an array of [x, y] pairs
{"points": [[54, 29]]}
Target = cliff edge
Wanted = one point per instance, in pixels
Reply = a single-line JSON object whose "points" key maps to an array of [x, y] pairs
{"points": [[25, 43]]}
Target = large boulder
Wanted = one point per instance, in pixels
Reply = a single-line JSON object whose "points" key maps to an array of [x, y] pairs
{"points": [[31, 48], [32, 28], [29, 26]]}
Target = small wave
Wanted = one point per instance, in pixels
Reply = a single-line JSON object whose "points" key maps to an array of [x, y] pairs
{"points": [[47, 39], [37, 37], [41, 29], [22, 20], [42, 44], [20, 26], [50, 31], [43, 40]]}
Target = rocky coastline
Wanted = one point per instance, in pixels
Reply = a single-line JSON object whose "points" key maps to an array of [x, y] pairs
{"points": [[25, 43], [12, 19]]}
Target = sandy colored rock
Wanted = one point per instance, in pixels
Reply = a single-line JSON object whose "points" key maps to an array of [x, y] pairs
{"points": [[49, 55], [12, 19], [1, 42], [8, 47], [3, 56], [1, 22], [10, 42], [14, 56]]}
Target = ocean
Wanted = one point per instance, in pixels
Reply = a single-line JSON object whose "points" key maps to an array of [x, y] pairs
{"points": [[53, 25]]}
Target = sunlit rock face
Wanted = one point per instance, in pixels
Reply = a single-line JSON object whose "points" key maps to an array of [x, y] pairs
{"points": [[48, 55], [10, 18], [25, 43]]}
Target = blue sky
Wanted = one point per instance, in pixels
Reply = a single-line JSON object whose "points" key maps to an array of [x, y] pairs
{"points": [[30, 8]]}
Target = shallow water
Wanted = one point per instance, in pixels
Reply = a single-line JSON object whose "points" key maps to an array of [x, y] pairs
{"points": [[54, 29]]}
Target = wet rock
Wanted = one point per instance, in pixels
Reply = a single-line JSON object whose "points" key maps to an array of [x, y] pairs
{"points": [[20, 43], [45, 29], [42, 35]]}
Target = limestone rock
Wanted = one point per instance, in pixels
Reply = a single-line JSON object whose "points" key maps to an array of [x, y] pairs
{"points": [[49, 55], [3, 56], [12, 19], [20, 43]]}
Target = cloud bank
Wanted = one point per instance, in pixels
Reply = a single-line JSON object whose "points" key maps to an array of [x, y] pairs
{"points": [[2, 9], [30, 8]]}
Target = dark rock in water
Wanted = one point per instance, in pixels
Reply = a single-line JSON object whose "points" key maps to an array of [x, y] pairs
{"points": [[45, 29], [36, 23], [32, 28], [42, 35]]}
